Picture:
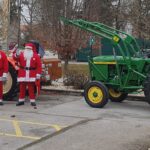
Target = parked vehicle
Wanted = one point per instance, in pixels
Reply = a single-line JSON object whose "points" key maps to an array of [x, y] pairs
{"points": [[113, 77]]}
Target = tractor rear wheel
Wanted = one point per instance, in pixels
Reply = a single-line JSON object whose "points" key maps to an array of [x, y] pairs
{"points": [[116, 96], [96, 94], [147, 90], [10, 88]]}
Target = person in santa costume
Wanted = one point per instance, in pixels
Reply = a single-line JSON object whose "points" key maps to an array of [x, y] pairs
{"points": [[3, 73], [29, 71]]}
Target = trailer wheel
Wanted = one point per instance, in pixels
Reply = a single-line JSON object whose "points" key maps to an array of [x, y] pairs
{"points": [[147, 90], [10, 88], [96, 94], [116, 96]]}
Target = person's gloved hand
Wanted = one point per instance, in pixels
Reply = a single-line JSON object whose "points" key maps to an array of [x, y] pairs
{"points": [[38, 76], [4, 79], [15, 47]]}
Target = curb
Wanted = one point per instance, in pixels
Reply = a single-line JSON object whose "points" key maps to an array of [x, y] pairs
{"points": [[62, 91], [73, 92], [135, 97]]}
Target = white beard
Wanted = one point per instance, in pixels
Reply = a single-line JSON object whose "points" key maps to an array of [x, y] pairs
{"points": [[28, 54]]}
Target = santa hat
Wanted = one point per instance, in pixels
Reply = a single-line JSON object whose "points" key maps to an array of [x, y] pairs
{"points": [[30, 46]]}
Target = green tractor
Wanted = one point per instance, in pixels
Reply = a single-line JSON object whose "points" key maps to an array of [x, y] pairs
{"points": [[113, 77]]}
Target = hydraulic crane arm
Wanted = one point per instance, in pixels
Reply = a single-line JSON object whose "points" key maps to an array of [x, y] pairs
{"points": [[128, 39], [125, 42]]}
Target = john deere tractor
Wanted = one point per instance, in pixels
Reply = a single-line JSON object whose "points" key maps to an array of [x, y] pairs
{"points": [[51, 70], [113, 77]]}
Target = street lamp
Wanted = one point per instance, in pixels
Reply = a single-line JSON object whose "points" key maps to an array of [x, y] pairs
{"points": [[91, 42]]}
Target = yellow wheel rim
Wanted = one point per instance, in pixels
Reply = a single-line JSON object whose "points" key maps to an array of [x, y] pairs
{"points": [[114, 93], [95, 94], [7, 86]]}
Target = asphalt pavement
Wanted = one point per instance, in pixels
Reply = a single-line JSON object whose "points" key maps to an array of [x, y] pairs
{"points": [[65, 122]]}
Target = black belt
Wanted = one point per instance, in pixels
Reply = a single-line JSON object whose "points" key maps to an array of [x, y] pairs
{"points": [[28, 68]]}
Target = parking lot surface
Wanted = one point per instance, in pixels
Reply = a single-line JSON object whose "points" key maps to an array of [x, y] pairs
{"points": [[24, 124], [63, 122]]}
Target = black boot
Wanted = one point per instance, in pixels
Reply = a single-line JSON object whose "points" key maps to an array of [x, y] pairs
{"points": [[19, 103], [1, 103], [33, 104]]}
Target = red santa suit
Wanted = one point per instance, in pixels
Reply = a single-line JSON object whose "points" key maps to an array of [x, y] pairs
{"points": [[30, 70], [3, 72]]}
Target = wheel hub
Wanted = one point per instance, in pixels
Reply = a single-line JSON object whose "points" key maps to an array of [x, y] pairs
{"points": [[95, 94], [114, 93]]}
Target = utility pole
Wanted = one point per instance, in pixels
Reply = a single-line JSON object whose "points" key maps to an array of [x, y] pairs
{"points": [[19, 20], [5, 23], [8, 26]]}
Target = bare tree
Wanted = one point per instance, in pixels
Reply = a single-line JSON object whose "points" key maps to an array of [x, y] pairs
{"points": [[140, 18], [29, 17], [99, 10], [120, 12], [62, 38], [66, 39]]}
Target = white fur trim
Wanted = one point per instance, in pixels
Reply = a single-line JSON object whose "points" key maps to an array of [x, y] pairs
{"points": [[28, 47], [38, 75], [32, 100], [5, 75], [26, 79], [1, 100], [21, 99], [28, 62], [27, 74]]}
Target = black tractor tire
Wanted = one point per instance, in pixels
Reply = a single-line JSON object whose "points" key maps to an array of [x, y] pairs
{"points": [[147, 89], [116, 96], [96, 94], [10, 88]]}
